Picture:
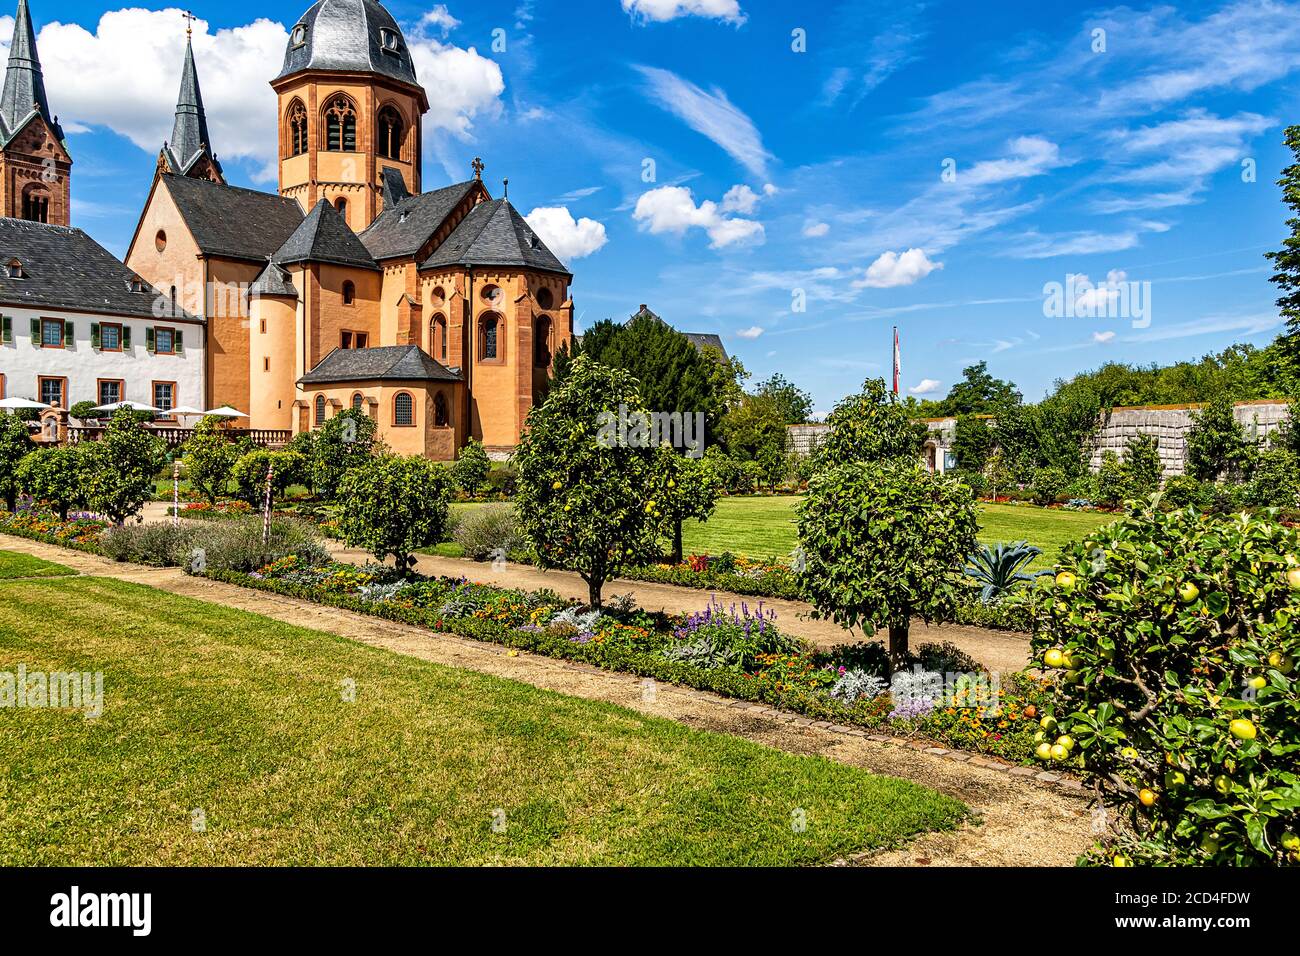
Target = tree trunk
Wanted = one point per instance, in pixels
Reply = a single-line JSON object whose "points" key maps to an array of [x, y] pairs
{"points": [[677, 541], [898, 652], [594, 585]]}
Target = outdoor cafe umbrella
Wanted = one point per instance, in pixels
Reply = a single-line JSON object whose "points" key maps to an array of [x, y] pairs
{"points": [[133, 406], [16, 403], [225, 411]]}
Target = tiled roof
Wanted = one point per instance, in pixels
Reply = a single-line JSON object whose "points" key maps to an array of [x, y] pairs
{"points": [[402, 228], [233, 222], [405, 363], [494, 234], [324, 236], [273, 281], [349, 36], [65, 268]]}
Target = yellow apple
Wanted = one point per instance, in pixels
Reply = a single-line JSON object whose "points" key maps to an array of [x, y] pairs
{"points": [[1048, 723], [1128, 753], [1222, 784], [1281, 662], [1242, 729], [1146, 797], [557, 485], [1188, 592], [1066, 741], [1059, 752], [1065, 581], [1054, 658], [1293, 579], [1043, 751], [1119, 860]]}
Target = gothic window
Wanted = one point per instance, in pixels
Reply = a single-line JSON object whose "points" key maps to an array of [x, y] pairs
{"points": [[320, 409], [403, 409], [340, 126], [542, 342], [390, 133], [440, 410], [357, 400], [297, 128], [438, 338], [36, 205], [488, 345]]}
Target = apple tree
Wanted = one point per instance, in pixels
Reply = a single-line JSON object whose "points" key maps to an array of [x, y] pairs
{"points": [[883, 542], [122, 467], [687, 488], [56, 476], [588, 499], [871, 425], [1173, 637], [391, 504], [342, 443], [15, 443]]}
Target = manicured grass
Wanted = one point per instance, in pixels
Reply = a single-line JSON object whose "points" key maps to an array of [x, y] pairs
{"points": [[242, 717], [1045, 528], [13, 565]]}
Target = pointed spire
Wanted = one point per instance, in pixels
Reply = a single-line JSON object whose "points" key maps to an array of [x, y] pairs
{"points": [[24, 88], [190, 132]]}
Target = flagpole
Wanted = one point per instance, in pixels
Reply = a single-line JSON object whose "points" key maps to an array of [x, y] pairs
{"points": [[896, 362]]}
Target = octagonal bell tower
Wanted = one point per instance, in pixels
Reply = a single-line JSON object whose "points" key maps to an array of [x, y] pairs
{"points": [[349, 108]]}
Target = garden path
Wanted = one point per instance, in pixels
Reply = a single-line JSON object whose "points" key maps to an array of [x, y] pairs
{"points": [[1018, 822]]}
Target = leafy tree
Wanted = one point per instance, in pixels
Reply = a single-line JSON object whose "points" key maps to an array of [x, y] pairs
{"points": [[1016, 437], [1113, 485], [15, 443], [587, 504], [794, 404], [1276, 480], [304, 443], [870, 426], [997, 473], [687, 488], [1174, 636], [756, 432], [56, 476], [1143, 464], [470, 472], [885, 541], [972, 442], [1287, 259], [342, 443], [122, 465], [978, 393], [1049, 483], [1216, 442], [209, 456], [728, 377], [390, 504], [249, 474]]}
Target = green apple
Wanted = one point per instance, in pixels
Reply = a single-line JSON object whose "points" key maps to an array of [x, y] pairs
{"points": [[1242, 729], [1065, 581], [1281, 662], [1048, 723], [1066, 741], [1174, 778], [1043, 751], [1188, 592], [1058, 752], [1119, 859], [1054, 658], [1223, 784], [1210, 843], [1128, 753], [1291, 841]]}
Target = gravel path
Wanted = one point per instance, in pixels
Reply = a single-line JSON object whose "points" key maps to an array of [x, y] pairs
{"points": [[1018, 823]]}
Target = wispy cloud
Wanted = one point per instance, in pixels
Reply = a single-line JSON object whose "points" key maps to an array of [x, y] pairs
{"points": [[711, 114]]}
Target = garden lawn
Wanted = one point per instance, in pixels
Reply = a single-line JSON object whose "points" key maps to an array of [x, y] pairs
{"points": [[25, 566], [244, 718]]}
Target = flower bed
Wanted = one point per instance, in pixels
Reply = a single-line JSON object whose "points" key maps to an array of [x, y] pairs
{"points": [[80, 531], [737, 652]]}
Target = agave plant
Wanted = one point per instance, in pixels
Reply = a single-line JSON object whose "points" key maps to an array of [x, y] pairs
{"points": [[997, 569]]}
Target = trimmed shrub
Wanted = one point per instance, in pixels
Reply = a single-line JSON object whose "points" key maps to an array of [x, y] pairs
{"points": [[471, 468], [1048, 485], [56, 476], [123, 464], [484, 532], [394, 505], [1184, 491], [1112, 481], [249, 474], [209, 457]]}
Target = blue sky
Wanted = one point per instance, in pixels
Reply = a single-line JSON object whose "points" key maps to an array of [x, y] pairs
{"points": [[684, 154]]}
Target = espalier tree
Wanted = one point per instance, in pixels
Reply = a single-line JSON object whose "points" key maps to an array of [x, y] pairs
{"points": [[871, 425], [587, 504], [883, 542], [1174, 639], [394, 505]]}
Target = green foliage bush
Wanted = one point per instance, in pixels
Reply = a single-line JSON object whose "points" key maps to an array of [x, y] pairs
{"points": [[249, 474], [209, 457], [1216, 442], [1177, 635], [1142, 461], [1183, 491], [15, 443], [342, 443], [394, 505], [870, 426], [487, 531], [1275, 482], [56, 476], [232, 545], [122, 466], [1049, 484], [471, 469], [1113, 485]]}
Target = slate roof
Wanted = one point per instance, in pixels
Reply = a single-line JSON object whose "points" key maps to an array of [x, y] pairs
{"points": [[190, 140], [23, 95], [231, 221], [324, 236], [348, 36], [389, 362], [494, 234], [273, 281], [65, 268], [402, 228]]}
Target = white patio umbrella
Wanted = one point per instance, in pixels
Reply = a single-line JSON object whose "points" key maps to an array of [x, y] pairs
{"points": [[185, 410], [16, 403], [225, 411], [133, 406]]}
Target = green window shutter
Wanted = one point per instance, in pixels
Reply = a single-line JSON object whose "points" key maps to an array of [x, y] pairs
{"points": [[94, 335], [148, 338], [68, 333], [36, 332], [178, 346], [7, 329], [126, 338]]}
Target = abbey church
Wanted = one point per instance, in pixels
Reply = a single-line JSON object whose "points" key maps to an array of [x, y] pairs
{"points": [[435, 312]]}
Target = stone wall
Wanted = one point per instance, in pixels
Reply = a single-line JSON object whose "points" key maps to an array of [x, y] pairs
{"points": [[802, 439], [1169, 425]]}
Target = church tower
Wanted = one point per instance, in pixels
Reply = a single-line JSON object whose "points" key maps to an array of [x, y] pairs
{"points": [[35, 167], [350, 109], [189, 151]]}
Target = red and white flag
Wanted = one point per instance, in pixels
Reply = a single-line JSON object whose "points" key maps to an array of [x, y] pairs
{"points": [[896, 361]]}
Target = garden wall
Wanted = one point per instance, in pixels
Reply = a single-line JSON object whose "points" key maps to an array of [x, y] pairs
{"points": [[1169, 425]]}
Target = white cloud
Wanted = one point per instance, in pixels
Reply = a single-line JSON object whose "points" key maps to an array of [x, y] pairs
{"points": [[567, 238], [814, 230], [662, 11], [1029, 156], [439, 18], [892, 269], [1034, 245], [1101, 338], [710, 114], [125, 74], [672, 209], [740, 199], [927, 386], [753, 332]]}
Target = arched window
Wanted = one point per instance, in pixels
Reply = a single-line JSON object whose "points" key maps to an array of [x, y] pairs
{"points": [[36, 204], [403, 409], [544, 298], [320, 409], [341, 205], [440, 410], [340, 126], [438, 338], [172, 295], [489, 338], [389, 141], [297, 119], [542, 342], [349, 292], [357, 400]]}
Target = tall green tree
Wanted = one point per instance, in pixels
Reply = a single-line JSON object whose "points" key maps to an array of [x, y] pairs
{"points": [[972, 442], [978, 393], [15, 444], [1286, 261], [756, 432], [794, 404], [871, 425], [1216, 442], [123, 465]]}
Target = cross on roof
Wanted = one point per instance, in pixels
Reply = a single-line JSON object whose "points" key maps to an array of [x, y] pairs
{"points": [[477, 166], [189, 24]]}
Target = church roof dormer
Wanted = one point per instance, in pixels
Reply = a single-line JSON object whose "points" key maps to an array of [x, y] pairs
{"points": [[190, 147], [349, 36], [24, 88]]}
